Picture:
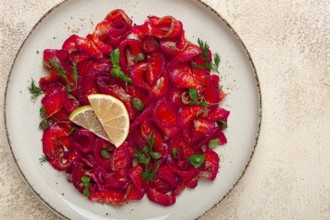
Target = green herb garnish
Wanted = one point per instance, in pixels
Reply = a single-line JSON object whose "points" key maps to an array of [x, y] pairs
{"points": [[193, 94], [175, 152], [214, 143], [196, 160], [42, 112], [204, 104], [34, 90], [145, 155], [75, 73], [85, 179], [137, 104], [73, 130], [114, 58], [142, 157], [44, 124], [62, 73], [116, 71], [105, 154], [149, 174], [85, 182], [42, 159], [155, 155], [208, 63], [139, 57], [222, 124], [86, 192], [151, 141]]}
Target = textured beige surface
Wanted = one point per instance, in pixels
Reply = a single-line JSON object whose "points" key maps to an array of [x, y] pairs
{"points": [[289, 176]]}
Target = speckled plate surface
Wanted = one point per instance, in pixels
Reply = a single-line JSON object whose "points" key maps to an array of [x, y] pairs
{"points": [[239, 80]]}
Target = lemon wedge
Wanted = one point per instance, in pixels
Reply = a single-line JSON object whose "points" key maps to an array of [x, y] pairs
{"points": [[86, 118], [113, 116]]}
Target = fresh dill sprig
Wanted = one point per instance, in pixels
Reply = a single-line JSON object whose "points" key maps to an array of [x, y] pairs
{"points": [[146, 155], [62, 73], [75, 73], [34, 90], [42, 159], [208, 63]]}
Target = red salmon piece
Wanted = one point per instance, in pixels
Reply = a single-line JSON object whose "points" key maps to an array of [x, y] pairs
{"points": [[161, 186], [117, 91], [150, 44], [77, 172], [84, 45], [155, 68], [211, 89], [172, 47], [203, 126], [182, 77], [165, 117], [182, 184], [165, 173], [131, 52], [70, 103], [52, 78], [187, 114], [55, 153], [160, 198], [222, 138], [165, 27], [88, 73], [56, 55], [161, 87], [137, 73], [109, 196], [50, 136], [61, 116], [83, 140], [218, 114], [135, 174], [188, 150], [166, 113], [188, 173], [175, 96], [186, 55], [133, 193], [121, 161], [140, 32], [198, 67], [105, 48], [112, 29], [100, 145], [116, 181], [137, 92], [147, 128], [78, 57], [52, 101], [211, 166], [192, 183]]}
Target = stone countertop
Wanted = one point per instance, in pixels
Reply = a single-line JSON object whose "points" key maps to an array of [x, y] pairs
{"points": [[289, 175]]}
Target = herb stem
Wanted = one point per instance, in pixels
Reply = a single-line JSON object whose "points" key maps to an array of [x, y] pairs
{"points": [[34, 90], [205, 54]]}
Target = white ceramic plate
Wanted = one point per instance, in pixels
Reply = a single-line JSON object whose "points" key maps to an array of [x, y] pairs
{"points": [[239, 80]]}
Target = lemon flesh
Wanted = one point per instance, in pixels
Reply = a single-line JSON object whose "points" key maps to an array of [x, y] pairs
{"points": [[86, 118], [113, 116]]}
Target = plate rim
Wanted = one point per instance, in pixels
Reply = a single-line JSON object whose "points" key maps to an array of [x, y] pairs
{"points": [[246, 53]]}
